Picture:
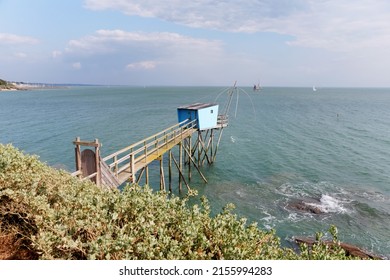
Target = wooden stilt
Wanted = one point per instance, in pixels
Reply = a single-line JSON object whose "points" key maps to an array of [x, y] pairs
{"points": [[78, 155], [189, 159], [170, 170], [212, 145], [216, 147], [196, 166], [204, 150], [199, 146], [132, 166], [140, 175], [180, 167], [162, 178], [97, 162], [181, 174], [147, 175]]}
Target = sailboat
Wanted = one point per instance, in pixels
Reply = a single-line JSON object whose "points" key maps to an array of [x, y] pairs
{"points": [[314, 88]]}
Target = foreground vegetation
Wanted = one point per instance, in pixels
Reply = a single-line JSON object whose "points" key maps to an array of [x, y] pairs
{"points": [[47, 214]]}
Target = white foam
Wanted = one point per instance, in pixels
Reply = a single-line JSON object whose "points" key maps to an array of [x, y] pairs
{"points": [[294, 217], [329, 204], [268, 220]]}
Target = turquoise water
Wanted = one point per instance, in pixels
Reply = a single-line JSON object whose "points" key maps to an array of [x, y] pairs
{"points": [[330, 148]]}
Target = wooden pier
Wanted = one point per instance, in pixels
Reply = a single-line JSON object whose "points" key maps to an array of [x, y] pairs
{"points": [[197, 136], [131, 163]]}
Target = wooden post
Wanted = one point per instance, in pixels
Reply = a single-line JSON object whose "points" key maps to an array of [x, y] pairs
{"points": [[162, 178], [170, 170], [189, 159], [146, 167], [146, 150], [97, 161], [140, 175], [199, 146], [132, 166], [78, 155], [116, 166], [212, 145], [147, 174], [196, 166], [181, 174], [180, 164], [216, 147]]}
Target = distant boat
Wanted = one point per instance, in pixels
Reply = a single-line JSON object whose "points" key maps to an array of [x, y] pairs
{"points": [[256, 87], [314, 88]]}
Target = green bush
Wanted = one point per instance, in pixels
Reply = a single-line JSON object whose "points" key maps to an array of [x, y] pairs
{"points": [[61, 217]]}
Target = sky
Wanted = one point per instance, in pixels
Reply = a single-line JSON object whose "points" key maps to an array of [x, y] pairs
{"points": [[326, 43]]}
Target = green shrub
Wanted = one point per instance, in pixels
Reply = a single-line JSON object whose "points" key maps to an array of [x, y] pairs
{"points": [[61, 217]]}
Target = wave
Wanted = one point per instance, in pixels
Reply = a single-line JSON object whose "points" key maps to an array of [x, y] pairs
{"points": [[329, 204]]}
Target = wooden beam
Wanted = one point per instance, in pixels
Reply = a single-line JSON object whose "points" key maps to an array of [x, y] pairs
{"points": [[180, 173], [180, 167], [189, 158], [97, 161], [196, 166], [216, 147], [162, 177], [140, 175], [86, 143], [170, 170]]}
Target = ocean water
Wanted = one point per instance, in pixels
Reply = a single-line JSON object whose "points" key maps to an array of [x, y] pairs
{"points": [[329, 148]]}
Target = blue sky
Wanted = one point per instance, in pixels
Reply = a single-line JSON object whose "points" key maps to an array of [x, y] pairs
{"points": [[197, 42]]}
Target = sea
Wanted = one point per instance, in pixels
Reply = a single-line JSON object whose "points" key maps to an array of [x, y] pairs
{"points": [[328, 149]]}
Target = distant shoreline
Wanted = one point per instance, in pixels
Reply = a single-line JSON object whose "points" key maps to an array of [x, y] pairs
{"points": [[18, 87]]}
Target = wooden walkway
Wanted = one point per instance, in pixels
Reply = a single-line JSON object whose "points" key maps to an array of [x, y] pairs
{"points": [[130, 164], [125, 163]]}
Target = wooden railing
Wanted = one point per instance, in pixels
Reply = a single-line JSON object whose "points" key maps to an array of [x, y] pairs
{"points": [[124, 163], [222, 121]]}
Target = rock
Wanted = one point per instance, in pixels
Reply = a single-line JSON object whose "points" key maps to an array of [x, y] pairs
{"points": [[350, 250], [306, 207]]}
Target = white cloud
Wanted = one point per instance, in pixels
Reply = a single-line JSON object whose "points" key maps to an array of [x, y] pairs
{"points": [[174, 58], [76, 65], [146, 65], [13, 39], [134, 47], [107, 41], [56, 54], [332, 24], [20, 55]]}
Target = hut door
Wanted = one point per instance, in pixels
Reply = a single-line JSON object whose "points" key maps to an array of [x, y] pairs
{"points": [[88, 163]]}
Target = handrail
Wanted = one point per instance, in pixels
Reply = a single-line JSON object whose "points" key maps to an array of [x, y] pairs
{"points": [[185, 123], [125, 158]]}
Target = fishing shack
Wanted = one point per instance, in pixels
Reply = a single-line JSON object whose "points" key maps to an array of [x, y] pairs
{"points": [[205, 114]]}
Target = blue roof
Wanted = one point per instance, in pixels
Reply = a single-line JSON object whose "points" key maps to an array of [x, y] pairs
{"points": [[197, 106]]}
